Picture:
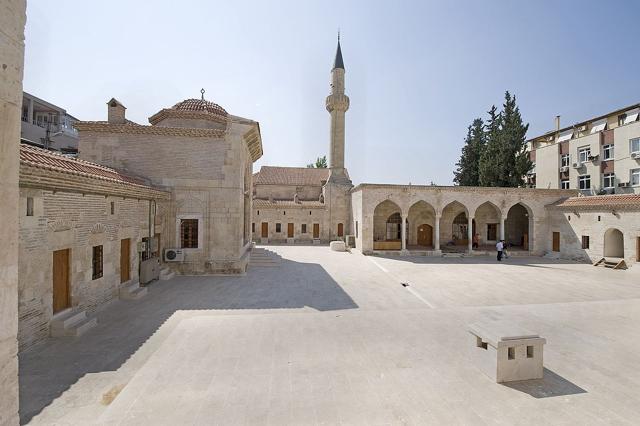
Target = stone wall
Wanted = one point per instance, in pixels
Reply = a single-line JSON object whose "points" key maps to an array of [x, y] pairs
{"points": [[210, 180], [77, 222], [572, 226], [12, 22]]}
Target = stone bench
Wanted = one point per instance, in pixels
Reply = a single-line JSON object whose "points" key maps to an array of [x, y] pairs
{"points": [[506, 353], [338, 246]]}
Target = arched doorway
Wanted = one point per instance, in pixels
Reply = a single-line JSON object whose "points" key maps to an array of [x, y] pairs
{"points": [[516, 227], [387, 229], [460, 229], [420, 226], [613, 243], [425, 235]]}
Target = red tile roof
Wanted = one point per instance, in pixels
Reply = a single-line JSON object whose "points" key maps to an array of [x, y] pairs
{"points": [[48, 160], [294, 176], [199, 105], [601, 201]]}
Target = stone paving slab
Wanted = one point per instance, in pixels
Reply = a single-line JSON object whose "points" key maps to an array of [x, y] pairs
{"points": [[334, 338]]}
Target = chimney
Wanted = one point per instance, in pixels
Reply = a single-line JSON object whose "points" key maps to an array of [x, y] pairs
{"points": [[557, 122], [116, 112]]}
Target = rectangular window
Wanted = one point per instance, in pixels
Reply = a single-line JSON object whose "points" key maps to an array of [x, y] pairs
{"points": [[492, 231], [189, 233], [564, 184], [278, 227], [29, 206], [356, 229], [584, 154], [584, 182], [511, 353], [635, 177], [585, 242], [304, 228], [96, 262], [634, 145], [608, 180], [621, 119], [564, 160], [112, 206], [253, 227], [607, 152], [529, 351]]}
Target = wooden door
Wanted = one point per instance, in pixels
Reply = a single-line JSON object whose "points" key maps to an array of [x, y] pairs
{"points": [[638, 249], [556, 241], [289, 230], [61, 293], [265, 230], [425, 235], [316, 230], [124, 259], [340, 230]]}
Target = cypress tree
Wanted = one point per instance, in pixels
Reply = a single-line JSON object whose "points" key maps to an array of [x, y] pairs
{"points": [[491, 162], [514, 131], [467, 173]]}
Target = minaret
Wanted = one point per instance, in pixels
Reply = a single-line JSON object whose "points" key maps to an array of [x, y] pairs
{"points": [[337, 104]]}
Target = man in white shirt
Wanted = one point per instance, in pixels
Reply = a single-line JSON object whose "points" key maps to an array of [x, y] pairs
{"points": [[499, 248]]}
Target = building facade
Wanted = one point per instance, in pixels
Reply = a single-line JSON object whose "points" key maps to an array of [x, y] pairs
{"points": [[308, 205], [598, 156], [81, 225], [204, 157], [48, 126]]}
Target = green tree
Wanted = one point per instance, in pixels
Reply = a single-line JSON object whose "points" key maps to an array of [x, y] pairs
{"points": [[321, 163], [491, 162], [514, 131], [467, 172]]}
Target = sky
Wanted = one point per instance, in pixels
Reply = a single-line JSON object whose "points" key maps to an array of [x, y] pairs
{"points": [[417, 73]]}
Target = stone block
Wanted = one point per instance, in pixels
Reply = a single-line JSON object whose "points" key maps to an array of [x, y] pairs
{"points": [[337, 246]]}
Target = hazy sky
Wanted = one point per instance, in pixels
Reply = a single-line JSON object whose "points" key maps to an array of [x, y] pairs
{"points": [[417, 72]]}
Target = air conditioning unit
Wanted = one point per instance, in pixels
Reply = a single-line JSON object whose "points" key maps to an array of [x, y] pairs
{"points": [[623, 184], [142, 246], [593, 157], [564, 169], [173, 255], [577, 165], [635, 155]]}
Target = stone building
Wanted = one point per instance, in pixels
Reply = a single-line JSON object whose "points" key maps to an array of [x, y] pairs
{"points": [[431, 220], [598, 156], [81, 225], [295, 204], [204, 157], [12, 22]]}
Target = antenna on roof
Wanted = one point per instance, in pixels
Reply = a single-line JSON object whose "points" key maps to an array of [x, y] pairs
{"points": [[202, 91]]}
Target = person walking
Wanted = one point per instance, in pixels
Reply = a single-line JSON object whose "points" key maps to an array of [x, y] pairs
{"points": [[505, 252], [499, 247], [476, 241]]}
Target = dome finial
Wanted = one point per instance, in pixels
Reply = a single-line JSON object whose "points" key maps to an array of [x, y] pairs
{"points": [[202, 92], [338, 34]]}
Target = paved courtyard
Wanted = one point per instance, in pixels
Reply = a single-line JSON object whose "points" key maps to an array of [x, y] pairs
{"points": [[334, 338]]}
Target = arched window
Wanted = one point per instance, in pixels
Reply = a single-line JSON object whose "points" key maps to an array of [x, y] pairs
{"points": [[394, 230]]}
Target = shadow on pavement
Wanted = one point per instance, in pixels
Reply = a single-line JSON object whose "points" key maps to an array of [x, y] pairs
{"points": [[551, 385], [49, 369]]}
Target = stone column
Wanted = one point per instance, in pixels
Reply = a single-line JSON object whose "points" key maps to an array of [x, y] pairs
{"points": [[436, 231], [12, 21], [404, 232], [470, 234], [30, 112], [502, 227]]}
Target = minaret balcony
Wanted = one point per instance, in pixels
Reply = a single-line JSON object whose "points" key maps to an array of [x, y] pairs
{"points": [[337, 102]]}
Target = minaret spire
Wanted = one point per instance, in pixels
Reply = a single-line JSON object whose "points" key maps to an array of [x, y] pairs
{"points": [[337, 104]]}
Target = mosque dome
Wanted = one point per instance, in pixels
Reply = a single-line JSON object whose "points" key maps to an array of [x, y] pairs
{"points": [[190, 113], [200, 105]]}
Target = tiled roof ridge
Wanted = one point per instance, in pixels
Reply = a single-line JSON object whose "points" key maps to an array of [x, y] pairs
{"points": [[111, 174], [103, 126]]}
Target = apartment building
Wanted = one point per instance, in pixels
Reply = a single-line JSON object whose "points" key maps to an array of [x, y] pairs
{"points": [[597, 156], [47, 126]]}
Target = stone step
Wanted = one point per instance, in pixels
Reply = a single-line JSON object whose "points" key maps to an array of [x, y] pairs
{"points": [[132, 291], [73, 323], [166, 274]]}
